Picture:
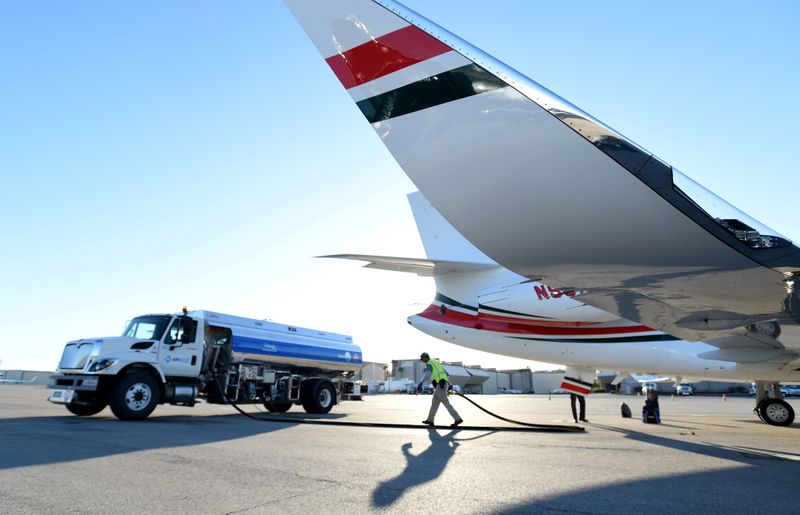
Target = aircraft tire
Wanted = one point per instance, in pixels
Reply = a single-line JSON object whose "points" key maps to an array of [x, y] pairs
{"points": [[776, 412]]}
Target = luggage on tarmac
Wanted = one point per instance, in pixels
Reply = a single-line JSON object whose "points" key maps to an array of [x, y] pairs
{"points": [[650, 413], [626, 411]]}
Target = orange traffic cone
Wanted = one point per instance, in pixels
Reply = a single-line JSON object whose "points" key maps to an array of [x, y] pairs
{"points": [[724, 396]]}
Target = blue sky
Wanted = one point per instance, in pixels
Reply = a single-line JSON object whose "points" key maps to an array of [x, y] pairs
{"points": [[160, 154]]}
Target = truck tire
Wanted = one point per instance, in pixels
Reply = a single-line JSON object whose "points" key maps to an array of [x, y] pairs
{"points": [[278, 407], [135, 396], [317, 395], [86, 410]]}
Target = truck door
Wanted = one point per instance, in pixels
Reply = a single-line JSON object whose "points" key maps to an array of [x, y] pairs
{"points": [[180, 353]]}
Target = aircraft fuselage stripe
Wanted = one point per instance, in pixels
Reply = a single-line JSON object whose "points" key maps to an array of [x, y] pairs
{"points": [[384, 55], [530, 328], [432, 91], [622, 339]]}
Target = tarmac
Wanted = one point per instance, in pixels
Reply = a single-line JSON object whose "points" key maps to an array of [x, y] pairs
{"points": [[709, 455]]}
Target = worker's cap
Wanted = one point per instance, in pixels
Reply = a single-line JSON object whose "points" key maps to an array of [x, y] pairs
{"points": [[424, 356]]}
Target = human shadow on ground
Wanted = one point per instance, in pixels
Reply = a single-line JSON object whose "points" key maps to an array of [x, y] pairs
{"points": [[425, 466]]}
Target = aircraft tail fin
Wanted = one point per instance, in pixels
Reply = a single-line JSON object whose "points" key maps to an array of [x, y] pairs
{"points": [[440, 239], [459, 269]]}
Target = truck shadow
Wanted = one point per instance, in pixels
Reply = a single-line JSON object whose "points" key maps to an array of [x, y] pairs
{"points": [[424, 467], [47, 440]]}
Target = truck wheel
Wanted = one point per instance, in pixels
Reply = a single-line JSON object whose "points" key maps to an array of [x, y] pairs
{"points": [[776, 412], [86, 410], [135, 396], [279, 407], [317, 396]]}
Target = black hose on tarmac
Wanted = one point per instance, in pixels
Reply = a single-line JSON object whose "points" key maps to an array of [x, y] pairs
{"points": [[523, 426]]}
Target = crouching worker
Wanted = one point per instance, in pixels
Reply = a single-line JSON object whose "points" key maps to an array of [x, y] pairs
{"points": [[651, 414], [435, 371]]}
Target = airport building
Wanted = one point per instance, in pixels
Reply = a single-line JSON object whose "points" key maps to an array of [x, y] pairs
{"points": [[479, 380], [25, 376], [372, 372]]}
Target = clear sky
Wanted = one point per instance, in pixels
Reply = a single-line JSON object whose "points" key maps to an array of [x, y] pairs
{"points": [[160, 154]]}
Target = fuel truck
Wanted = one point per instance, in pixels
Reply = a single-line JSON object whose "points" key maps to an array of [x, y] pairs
{"points": [[182, 358]]}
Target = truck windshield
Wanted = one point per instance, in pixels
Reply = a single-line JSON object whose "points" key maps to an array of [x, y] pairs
{"points": [[147, 328]]}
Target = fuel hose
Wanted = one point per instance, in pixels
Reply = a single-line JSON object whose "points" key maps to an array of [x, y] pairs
{"points": [[518, 427]]}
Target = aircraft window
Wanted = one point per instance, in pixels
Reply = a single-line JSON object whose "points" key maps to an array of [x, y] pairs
{"points": [[753, 233], [147, 328]]}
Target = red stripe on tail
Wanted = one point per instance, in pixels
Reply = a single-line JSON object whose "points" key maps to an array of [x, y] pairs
{"points": [[387, 54]]}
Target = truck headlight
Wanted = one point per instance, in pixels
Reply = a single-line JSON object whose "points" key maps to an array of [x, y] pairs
{"points": [[102, 364]]}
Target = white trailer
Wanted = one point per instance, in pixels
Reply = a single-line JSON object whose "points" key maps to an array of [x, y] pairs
{"points": [[183, 357]]}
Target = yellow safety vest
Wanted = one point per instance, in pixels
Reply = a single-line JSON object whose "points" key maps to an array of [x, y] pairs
{"points": [[438, 373]]}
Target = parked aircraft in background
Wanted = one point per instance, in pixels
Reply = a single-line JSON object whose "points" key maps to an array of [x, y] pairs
{"points": [[640, 240], [484, 306]]}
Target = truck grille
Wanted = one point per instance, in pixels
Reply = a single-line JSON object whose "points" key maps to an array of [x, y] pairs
{"points": [[75, 355]]}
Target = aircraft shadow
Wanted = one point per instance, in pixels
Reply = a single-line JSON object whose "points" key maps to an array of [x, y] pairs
{"points": [[772, 475], [717, 491], [421, 468], [46, 440]]}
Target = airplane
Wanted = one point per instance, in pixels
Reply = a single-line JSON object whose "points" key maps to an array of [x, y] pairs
{"points": [[639, 240], [482, 305]]}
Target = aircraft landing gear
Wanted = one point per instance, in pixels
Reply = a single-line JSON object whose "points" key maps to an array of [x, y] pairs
{"points": [[770, 407]]}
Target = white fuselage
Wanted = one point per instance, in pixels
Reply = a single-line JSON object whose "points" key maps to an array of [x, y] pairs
{"points": [[674, 358], [529, 320]]}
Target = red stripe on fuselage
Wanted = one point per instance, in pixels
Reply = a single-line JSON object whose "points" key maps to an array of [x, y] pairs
{"points": [[513, 326], [536, 321], [384, 55]]}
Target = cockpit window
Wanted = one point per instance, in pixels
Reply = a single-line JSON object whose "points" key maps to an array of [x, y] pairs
{"points": [[755, 234], [147, 327]]}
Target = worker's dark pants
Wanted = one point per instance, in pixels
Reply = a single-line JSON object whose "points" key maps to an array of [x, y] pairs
{"points": [[582, 401]]}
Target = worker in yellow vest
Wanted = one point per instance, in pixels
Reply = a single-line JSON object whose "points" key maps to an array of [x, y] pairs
{"points": [[439, 379]]}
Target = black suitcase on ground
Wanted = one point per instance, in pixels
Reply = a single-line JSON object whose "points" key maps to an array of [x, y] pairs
{"points": [[650, 415]]}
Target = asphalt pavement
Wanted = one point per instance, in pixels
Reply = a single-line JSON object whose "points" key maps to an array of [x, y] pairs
{"points": [[709, 455]]}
